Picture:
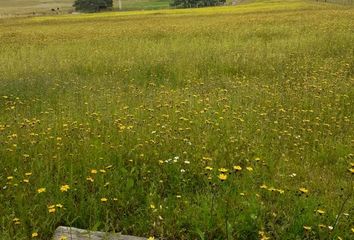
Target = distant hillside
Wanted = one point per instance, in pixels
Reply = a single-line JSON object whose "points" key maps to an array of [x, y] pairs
{"points": [[45, 6]]}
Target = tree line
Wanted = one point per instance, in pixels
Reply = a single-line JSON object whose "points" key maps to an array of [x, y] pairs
{"points": [[196, 3]]}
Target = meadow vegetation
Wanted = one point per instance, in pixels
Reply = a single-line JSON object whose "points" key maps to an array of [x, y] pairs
{"points": [[215, 123]]}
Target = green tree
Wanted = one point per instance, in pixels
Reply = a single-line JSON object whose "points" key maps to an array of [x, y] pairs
{"points": [[92, 5], [196, 3]]}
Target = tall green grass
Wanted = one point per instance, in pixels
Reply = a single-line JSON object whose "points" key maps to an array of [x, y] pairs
{"points": [[145, 109]]}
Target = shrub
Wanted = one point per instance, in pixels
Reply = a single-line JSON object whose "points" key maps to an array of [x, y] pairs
{"points": [[92, 5], [196, 3]]}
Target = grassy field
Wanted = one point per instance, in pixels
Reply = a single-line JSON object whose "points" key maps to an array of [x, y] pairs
{"points": [[214, 123], [144, 4], [23, 7]]}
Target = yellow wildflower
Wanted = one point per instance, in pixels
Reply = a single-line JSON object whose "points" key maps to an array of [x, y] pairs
{"points": [[16, 221], [41, 190], [104, 199], [307, 228], [90, 179], [222, 177], [303, 190], [51, 210], [281, 191], [64, 188], [320, 211], [249, 169], [34, 234], [263, 235], [237, 168], [223, 170]]}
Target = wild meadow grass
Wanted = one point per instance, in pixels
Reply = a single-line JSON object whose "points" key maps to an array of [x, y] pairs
{"points": [[216, 123]]}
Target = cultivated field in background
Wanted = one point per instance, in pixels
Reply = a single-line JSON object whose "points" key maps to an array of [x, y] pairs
{"points": [[30, 7], [214, 123]]}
